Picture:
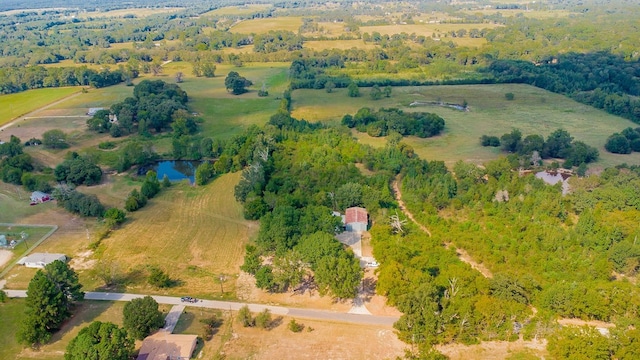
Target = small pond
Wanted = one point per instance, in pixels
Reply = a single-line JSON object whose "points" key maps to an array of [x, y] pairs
{"points": [[177, 170], [554, 177]]}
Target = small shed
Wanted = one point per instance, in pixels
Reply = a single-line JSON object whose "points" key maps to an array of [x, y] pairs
{"points": [[40, 260], [39, 197], [356, 219]]}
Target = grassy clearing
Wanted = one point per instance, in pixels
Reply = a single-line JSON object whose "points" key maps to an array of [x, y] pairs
{"points": [[246, 9], [14, 203], [338, 44], [16, 105], [190, 232], [224, 114], [138, 12], [71, 63], [103, 97], [262, 26], [534, 111], [33, 235]]}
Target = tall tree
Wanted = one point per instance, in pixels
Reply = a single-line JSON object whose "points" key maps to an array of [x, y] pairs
{"points": [[142, 317], [50, 296]]}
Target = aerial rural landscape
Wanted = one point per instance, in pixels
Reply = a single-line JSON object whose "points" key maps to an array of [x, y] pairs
{"points": [[430, 179]]}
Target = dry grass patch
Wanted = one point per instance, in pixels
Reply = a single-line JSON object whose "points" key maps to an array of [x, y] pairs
{"points": [[534, 14], [262, 26], [318, 340], [16, 105], [496, 350]]}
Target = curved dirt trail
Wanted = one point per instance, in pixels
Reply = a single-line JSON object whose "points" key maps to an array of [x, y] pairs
{"points": [[462, 254]]}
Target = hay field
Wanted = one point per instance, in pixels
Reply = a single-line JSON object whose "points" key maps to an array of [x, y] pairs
{"points": [[192, 233], [262, 26], [246, 9], [338, 44], [138, 12], [534, 111], [16, 105]]}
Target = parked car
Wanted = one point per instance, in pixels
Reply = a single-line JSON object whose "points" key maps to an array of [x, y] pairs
{"points": [[188, 299]]}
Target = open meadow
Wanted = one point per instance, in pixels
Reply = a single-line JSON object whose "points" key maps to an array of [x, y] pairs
{"points": [[425, 29], [263, 26], [534, 111], [320, 45], [16, 105], [137, 12]]}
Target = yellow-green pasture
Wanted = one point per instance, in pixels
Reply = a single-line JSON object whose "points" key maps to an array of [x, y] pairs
{"points": [[534, 111]]}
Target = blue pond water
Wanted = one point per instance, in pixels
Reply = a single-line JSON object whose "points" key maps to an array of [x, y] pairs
{"points": [[176, 170]]}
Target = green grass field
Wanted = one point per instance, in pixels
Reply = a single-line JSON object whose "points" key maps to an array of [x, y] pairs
{"points": [[12, 314], [14, 203], [338, 44], [16, 105], [192, 233], [423, 29], [533, 111], [262, 26]]}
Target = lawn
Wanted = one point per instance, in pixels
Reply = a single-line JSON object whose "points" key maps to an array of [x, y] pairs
{"points": [[16, 105], [534, 111], [14, 233], [12, 314], [103, 97], [14, 203], [192, 233], [262, 26]]}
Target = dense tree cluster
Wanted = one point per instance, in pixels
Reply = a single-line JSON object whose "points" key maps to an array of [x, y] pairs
{"points": [[79, 203], [78, 170], [625, 142], [533, 148], [16, 79], [236, 84], [14, 163], [141, 317], [386, 121], [277, 40], [155, 105]]}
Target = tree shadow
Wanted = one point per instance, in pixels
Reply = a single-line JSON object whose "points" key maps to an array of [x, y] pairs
{"points": [[275, 322]]}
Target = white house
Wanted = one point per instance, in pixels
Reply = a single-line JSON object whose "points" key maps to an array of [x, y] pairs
{"points": [[39, 197], [40, 260]]}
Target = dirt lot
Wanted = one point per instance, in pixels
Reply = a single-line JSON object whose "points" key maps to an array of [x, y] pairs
{"points": [[318, 340], [5, 256]]}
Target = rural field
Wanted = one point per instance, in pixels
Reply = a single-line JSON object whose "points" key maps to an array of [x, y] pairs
{"points": [[263, 26], [320, 45], [16, 105], [423, 29], [238, 10], [534, 14], [534, 111], [192, 233]]}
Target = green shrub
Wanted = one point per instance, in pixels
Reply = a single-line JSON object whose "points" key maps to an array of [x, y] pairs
{"points": [[295, 327]]}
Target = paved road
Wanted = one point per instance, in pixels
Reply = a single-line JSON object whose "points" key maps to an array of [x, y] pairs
{"points": [[229, 305]]}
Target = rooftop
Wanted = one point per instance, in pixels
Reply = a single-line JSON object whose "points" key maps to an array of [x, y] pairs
{"points": [[164, 345]]}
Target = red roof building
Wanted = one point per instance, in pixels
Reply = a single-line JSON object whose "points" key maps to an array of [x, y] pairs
{"points": [[356, 219]]}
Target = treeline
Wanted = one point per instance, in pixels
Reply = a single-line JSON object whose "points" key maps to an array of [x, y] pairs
{"points": [[16, 79], [384, 121], [602, 80], [533, 148], [625, 142]]}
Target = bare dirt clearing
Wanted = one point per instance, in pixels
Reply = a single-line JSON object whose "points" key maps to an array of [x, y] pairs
{"points": [[5, 256], [494, 350]]}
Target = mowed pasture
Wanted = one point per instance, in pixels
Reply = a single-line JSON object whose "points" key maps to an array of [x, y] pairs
{"points": [[263, 26], [534, 111], [16, 105], [246, 9], [192, 233]]}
